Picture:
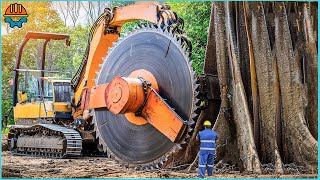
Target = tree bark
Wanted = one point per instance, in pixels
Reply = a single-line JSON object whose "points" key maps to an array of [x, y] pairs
{"points": [[302, 146], [278, 40]]}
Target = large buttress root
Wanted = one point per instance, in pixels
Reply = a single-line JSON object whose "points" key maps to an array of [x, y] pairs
{"points": [[241, 114], [228, 152], [266, 81], [311, 64], [302, 145]]}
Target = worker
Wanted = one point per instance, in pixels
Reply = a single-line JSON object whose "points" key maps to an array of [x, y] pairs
{"points": [[208, 139]]}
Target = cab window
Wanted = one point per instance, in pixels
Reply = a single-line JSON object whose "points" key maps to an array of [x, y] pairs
{"points": [[47, 91], [62, 91]]}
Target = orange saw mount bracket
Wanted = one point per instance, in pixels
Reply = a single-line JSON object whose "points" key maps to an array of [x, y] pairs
{"points": [[137, 98]]}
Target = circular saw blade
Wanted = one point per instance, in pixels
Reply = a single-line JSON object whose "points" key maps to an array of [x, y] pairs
{"points": [[160, 53]]}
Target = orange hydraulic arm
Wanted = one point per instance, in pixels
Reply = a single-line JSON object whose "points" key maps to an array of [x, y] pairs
{"points": [[101, 41], [135, 96]]}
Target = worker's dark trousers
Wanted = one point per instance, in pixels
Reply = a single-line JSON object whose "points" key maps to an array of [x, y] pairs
{"points": [[204, 161]]}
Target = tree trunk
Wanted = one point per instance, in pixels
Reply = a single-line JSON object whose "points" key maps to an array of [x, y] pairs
{"points": [[276, 44]]}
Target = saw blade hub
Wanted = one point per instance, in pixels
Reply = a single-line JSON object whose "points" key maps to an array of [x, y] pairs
{"points": [[128, 95]]}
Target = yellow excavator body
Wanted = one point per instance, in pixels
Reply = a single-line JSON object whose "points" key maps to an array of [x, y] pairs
{"points": [[36, 109]]}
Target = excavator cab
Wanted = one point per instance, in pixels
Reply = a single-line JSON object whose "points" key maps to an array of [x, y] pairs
{"points": [[39, 99]]}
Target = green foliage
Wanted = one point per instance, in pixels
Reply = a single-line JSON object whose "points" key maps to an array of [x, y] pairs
{"points": [[131, 26], [196, 16], [5, 130]]}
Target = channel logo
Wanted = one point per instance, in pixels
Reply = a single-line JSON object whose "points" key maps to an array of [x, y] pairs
{"points": [[15, 15]]}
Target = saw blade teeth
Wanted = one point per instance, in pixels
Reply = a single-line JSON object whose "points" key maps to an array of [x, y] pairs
{"points": [[188, 54], [94, 119], [172, 35], [194, 115], [143, 168], [178, 147], [176, 40], [100, 141], [190, 63], [197, 102], [165, 159], [196, 85], [193, 74], [170, 31], [104, 148], [161, 162], [183, 142], [154, 26], [97, 134], [157, 166], [184, 49], [194, 109], [166, 30], [190, 123]]}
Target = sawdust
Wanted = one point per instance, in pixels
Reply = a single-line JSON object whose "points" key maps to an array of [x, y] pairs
{"points": [[98, 167]]}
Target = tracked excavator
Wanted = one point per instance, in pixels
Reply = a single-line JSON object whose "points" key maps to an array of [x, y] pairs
{"points": [[134, 97]]}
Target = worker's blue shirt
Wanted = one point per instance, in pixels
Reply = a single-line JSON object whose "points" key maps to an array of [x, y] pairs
{"points": [[208, 139]]}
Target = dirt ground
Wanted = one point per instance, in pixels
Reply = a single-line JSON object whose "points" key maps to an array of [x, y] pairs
{"points": [[98, 167]]}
